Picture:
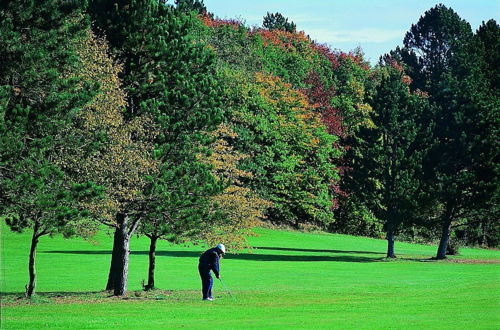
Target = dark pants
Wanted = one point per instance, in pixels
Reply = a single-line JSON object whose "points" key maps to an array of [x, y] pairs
{"points": [[206, 282]]}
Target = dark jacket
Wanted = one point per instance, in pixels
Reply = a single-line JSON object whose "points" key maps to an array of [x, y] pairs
{"points": [[209, 260]]}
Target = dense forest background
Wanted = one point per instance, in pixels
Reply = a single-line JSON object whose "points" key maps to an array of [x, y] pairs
{"points": [[163, 120]]}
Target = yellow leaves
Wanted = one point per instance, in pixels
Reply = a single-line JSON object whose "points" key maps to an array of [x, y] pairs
{"points": [[241, 207], [365, 109], [116, 153], [224, 159], [314, 142], [243, 210], [295, 115], [277, 92]]}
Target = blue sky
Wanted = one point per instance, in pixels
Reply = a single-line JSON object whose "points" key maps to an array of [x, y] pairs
{"points": [[377, 26]]}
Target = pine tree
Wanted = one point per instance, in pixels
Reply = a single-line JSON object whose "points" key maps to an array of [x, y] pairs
{"points": [[192, 5], [489, 38], [38, 97], [395, 148], [171, 77], [482, 226], [278, 22], [445, 57]]}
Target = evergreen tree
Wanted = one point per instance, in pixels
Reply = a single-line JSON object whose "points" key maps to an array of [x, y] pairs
{"points": [[278, 22], [481, 227], [394, 151], [192, 5], [448, 62], [38, 97], [171, 77], [489, 38]]}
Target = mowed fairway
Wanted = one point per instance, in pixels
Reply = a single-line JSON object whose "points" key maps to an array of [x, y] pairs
{"points": [[293, 280]]}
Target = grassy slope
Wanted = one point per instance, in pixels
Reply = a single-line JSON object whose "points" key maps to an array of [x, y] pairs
{"points": [[293, 280]]}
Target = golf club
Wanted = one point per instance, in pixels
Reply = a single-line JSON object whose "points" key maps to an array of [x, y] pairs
{"points": [[226, 288]]}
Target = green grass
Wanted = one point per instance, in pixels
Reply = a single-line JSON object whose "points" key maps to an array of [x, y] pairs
{"points": [[294, 280]]}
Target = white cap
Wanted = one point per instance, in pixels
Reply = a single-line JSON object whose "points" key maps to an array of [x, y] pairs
{"points": [[221, 247]]}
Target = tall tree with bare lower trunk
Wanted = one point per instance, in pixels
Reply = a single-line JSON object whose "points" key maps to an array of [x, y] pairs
{"points": [[446, 61], [394, 150], [38, 98], [170, 77], [117, 154]]}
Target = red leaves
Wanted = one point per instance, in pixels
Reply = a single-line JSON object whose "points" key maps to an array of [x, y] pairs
{"points": [[216, 22], [324, 50], [321, 98]]}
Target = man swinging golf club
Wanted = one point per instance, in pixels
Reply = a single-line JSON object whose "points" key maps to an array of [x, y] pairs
{"points": [[209, 260]]}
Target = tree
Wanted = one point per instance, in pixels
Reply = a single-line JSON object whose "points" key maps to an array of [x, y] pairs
{"points": [[278, 22], [38, 98], [116, 154], [290, 152], [445, 57], [192, 5], [395, 148], [481, 226], [236, 209], [228, 217], [350, 78], [172, 78], [489, 37]]}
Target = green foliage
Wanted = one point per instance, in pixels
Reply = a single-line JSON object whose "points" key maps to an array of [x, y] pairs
{"points": [[232, 43], [489, 37], [38, 100], [287, 55], [290, 150], [191, 5], [350, 80], [394, 149], [449, 68], [315, 132], [174, 82], [333, 82]]}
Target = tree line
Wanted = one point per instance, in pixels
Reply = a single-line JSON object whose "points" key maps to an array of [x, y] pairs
{"points": [[162, 120]]}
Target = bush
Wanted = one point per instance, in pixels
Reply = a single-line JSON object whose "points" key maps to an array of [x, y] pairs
{"points": [[452, 248]]}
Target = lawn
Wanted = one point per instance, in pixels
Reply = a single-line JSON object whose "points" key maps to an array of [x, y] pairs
{"points": [[291, 280]]}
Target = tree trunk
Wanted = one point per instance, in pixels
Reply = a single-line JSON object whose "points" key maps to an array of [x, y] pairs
{"points": [[443, 243], [118, 271], [32, 271], [390, 244], [390, 229], [122, 255], [445, 234], [152, 260], [113, 269]]}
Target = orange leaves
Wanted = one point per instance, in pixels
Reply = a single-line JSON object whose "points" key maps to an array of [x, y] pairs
{"points": [[296, 111], [283, 39]]}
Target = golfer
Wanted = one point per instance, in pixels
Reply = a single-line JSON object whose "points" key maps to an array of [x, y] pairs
{"points": [[209, 260]]}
